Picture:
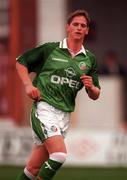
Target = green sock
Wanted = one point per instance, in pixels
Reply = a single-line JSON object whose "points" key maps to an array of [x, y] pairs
{"points": [[48, 169], [22, 176]]}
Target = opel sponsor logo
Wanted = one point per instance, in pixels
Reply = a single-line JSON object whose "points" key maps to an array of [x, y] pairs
{"points": [[55, 79]]}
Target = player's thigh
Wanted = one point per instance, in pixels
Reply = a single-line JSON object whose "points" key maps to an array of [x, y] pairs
{"points": [[38, 155], [55, 144]]}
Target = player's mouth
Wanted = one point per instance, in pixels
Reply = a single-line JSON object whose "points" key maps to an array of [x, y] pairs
{"points": [[78, 33]]}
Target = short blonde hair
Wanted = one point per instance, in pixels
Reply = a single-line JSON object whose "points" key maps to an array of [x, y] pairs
{"points": [[79, 12]]}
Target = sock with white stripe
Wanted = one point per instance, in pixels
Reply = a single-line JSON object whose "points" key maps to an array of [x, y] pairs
{"points": [[48, 169], [25, 175]]}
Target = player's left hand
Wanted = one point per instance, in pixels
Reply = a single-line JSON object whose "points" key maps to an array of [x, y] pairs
{"points": [[87, 81]]}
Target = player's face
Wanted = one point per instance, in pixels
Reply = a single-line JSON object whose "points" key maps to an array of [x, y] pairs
{"points": [[78, 28]]}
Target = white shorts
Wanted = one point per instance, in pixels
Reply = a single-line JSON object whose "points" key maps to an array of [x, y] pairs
{"points": [[48, 121]]}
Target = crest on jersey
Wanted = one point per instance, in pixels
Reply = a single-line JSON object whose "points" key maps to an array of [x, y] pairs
{"points": [[82, 65], [54, 128]]}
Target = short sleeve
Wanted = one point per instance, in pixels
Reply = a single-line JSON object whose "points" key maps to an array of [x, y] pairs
{"points": [[32, 59]]}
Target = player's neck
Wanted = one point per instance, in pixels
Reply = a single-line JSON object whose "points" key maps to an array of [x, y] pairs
{"points": [[74, 45]]}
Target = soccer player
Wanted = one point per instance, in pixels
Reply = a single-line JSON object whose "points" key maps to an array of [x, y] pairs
{"points": [[62, 69]]}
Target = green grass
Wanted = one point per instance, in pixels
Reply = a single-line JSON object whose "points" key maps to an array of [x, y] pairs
{"points": [[10, 173]]}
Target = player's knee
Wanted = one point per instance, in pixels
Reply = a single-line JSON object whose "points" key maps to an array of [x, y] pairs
{"points": [[58, 156], [33, 169], [29, 173]]}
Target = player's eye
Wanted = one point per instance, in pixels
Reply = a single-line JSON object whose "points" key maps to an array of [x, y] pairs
{"points": [[75, 24], [83, 25]]}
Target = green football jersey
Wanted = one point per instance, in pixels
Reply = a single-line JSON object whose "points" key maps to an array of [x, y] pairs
{"points": [[58, 74]]}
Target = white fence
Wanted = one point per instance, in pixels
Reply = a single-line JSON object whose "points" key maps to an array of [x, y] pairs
{"points": [[85, 148]]}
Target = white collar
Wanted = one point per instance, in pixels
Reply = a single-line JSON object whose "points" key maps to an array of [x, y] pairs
{"points": [[63, 45]]}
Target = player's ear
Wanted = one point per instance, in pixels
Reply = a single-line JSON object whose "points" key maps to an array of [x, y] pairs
{"points": [[87, 31], [67, 28]]}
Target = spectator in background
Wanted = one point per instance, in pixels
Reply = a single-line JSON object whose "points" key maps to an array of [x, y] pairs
{"points": [[111, 64], [125, 93]]}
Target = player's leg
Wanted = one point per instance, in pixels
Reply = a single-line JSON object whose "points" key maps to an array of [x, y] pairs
{"points": [[38, 156], [57, 155]]}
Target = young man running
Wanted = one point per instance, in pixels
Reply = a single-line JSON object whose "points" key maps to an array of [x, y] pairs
{"points": [[62, 69]]}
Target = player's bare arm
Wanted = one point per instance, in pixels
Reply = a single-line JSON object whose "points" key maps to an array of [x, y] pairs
{"points": [[93, 92], [31, 91]]}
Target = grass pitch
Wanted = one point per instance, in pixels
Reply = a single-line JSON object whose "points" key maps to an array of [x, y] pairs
{"points": [[11, 172]]}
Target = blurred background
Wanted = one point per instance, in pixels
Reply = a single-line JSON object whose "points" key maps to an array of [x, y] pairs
{"points": [[97, 140]]}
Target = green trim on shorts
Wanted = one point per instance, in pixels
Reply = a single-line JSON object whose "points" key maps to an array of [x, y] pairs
{"points": [[37, 125]]}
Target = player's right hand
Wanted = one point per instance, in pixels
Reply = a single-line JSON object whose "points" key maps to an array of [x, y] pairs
{"points": [[33, 92]]}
